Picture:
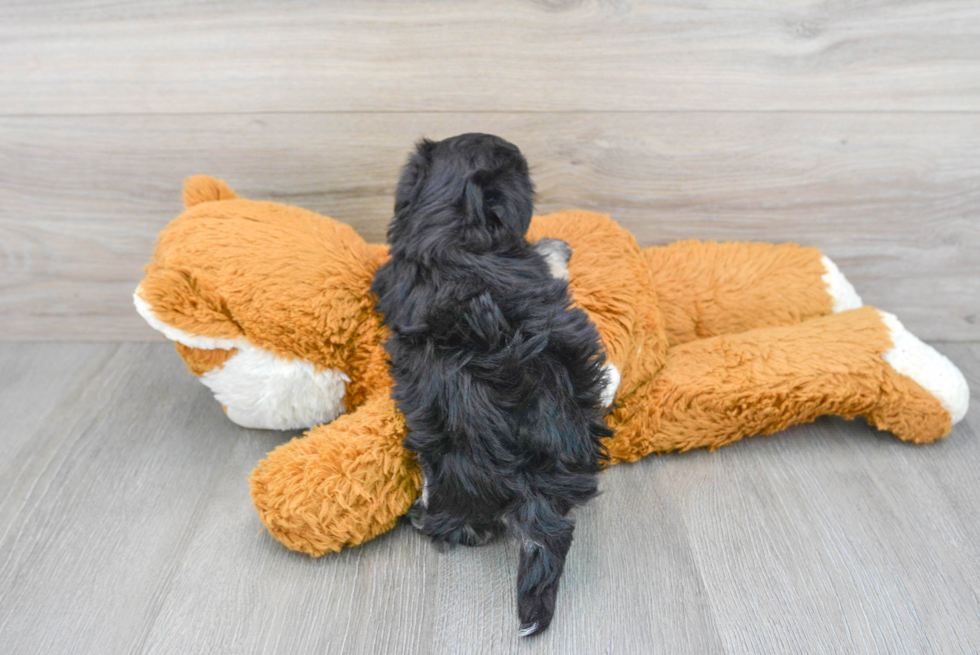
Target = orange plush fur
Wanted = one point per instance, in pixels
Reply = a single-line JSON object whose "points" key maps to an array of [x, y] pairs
{"points": [[714, 342]]}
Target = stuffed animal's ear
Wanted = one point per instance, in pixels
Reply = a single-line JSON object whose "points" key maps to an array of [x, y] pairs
{"points": [[204, 188], [186, 310], [478, 187]]}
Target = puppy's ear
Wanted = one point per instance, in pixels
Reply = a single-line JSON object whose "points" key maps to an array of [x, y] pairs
{"points": [[413, 174], [475, 196], [498, 200]]}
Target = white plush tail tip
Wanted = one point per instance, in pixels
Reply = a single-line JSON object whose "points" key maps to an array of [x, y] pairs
{"points": [[928, 367]]}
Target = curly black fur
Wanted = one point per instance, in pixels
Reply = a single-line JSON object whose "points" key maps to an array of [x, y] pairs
{"points": [[498, 376]]}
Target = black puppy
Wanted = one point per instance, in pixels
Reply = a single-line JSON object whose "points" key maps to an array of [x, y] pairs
{"points": [[500, 380]]}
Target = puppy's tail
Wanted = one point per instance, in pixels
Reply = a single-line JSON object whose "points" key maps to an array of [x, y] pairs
{"points": [[546, 535]]}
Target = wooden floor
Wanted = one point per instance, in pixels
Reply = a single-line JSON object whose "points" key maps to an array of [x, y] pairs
{"points": [[125, 521], [126, 527]]}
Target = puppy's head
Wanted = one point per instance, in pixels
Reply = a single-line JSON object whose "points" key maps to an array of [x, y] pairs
{"points": [[473, 182]]}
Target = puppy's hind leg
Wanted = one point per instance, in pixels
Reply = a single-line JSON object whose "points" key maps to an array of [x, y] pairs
{"points": [[545, 534], [447, 530]]}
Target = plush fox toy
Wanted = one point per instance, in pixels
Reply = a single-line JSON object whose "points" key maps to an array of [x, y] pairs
{"points": [[270, 306]]}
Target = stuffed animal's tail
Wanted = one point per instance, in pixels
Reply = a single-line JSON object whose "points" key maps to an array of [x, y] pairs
{"points": [[204, 188]]}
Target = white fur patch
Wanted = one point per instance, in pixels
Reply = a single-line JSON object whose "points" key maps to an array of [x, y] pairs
{"points": [[613, 379], [556, 254], [178, 335], [528, 630], [928, 367], [258, 388], [262, 390], [557, 268], [425, 491], [838, 287]]}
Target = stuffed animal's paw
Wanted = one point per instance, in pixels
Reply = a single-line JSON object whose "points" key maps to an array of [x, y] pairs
{"points": [[839, 288], [928, 367]]}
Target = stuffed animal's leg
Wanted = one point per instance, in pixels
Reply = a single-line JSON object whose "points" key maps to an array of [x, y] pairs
{"points": [[340, 484], [856, 363], [707, 288]]}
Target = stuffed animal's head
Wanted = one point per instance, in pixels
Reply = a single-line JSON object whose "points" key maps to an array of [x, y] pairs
{"points": [[269, 305]]}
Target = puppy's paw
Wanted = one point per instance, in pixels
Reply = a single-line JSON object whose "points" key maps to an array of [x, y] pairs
{"points": [[470, 535], [467, 534], [420, 519], [416, 515], [556, 254]]}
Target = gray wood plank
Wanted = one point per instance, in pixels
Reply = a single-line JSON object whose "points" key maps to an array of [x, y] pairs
{"points": [[836, 538], [36, 383], [136, 534], [630, 584], [115, 479], [178, 57], [953, 475], [891, 197], [241, 592], [237, 590]]}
